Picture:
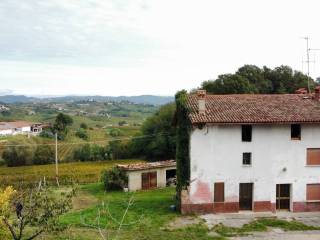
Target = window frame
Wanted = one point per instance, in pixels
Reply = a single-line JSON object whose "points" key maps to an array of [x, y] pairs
{"points": [[293, 131], [243, 158], [246, 133]]}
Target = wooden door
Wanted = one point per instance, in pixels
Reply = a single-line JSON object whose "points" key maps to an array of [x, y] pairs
{"points": [[283, 197], [149, 180], [245, 196]]}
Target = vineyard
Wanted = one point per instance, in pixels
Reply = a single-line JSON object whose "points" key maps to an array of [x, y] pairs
{"points": [[79, 172]]}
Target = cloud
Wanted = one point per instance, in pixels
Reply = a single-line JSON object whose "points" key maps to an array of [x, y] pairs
{"points": [[130, 47]]}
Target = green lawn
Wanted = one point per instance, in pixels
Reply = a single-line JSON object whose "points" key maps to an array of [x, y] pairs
{"points": [[146, 219]]}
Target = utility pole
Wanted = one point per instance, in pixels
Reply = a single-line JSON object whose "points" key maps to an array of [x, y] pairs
{"points": [[57, 170]]}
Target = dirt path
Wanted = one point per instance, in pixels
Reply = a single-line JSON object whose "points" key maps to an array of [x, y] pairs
{"points": [[83, 200]]}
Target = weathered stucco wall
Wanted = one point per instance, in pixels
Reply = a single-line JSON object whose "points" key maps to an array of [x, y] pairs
{"points": [[135, 179], [216, 156]]}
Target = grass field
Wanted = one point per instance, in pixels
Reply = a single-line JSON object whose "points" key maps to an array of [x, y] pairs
{"points": [[147, 218], [80, 172]]}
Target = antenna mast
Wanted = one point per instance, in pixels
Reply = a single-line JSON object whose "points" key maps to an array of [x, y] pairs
{"points": [[308, 60]]}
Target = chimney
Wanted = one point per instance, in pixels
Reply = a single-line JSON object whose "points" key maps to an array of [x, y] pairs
{"points": [[201, 101], [317, 93]]}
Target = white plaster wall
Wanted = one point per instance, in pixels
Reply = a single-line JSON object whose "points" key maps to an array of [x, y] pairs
{"points": [[216, 156], [135, 178], [5, 132]]}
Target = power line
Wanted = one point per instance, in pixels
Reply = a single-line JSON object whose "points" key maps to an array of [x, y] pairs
{"points": [[88, 142]]}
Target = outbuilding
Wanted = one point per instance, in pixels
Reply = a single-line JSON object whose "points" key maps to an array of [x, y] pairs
{"points": [[149, 175]]}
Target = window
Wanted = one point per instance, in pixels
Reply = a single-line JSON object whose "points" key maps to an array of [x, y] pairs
{"points": [[219, 192], [313, 156], [313, 192], [246, 158], [295, 131], [246, 133]]}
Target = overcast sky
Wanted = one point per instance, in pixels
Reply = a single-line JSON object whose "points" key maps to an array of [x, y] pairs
{"points": [[133, 47]]}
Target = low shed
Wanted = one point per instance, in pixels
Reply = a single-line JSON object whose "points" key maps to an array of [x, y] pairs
{"points": [[149, 175]]}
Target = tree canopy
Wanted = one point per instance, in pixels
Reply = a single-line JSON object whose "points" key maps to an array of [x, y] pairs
{"points": [[252, 79], [157, 140]]}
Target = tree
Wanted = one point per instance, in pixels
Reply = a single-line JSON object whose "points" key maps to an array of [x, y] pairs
{"points": [[44, 155], [252, 79], [83, 154], [157, 138], [229, 83], [118, 150], [37, 207], [17, 156], [114, 179], [6, 197], [61, 123]]}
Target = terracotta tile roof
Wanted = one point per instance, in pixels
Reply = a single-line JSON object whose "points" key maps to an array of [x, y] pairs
{"points": [[256, 108], [16, 124], [149, 165]]}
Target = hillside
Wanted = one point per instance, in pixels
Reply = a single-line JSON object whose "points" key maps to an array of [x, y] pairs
{"points": [[142, 99]]}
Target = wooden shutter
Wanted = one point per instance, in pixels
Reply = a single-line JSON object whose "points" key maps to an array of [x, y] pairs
{"points": [[219, 192], [313, 192], [145, 180], [149, 180], [153, 179], [313, 156]]}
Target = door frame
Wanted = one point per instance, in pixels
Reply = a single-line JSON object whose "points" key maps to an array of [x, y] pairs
{"points": [[284, 198], [252, 195]]}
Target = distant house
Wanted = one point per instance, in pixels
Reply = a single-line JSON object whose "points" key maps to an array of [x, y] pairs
{"points": [[256, 152], [149, 175], [3, 108], [20, 127]]}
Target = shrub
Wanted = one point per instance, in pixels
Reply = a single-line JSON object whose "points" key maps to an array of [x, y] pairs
{"points": [[82, 133], [17, 156], [83, 154], [47, 133], [84, 126], [43, 155], [90, 153], [114, 179], [115, 132]]}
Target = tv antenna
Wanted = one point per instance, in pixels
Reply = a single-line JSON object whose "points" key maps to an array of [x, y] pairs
{"points": [[308, 59]]}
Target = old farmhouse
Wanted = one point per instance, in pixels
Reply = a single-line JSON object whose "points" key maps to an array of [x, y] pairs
{"points": [[253, 152], [149, 175], [20, 127]]}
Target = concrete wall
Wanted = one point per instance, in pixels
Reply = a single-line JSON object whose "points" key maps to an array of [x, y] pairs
{"points": [[216, 156], [135, 178]]}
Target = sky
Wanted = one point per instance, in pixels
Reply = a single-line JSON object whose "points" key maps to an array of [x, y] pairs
{"points": [[134, 47]]}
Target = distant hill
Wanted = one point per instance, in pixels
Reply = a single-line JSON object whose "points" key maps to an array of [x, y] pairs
{"points": [[143, 99]]}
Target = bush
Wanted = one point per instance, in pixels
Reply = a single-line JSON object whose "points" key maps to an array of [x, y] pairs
{"points": [[84, 126], [47, 133], [83, 154], [114, 179], [43, 155], [90, 153], [115, 132], [17, 156], [82, 133]]}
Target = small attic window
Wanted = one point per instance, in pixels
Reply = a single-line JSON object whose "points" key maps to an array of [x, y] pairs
{"points": [[246, 133], [295, 132]]}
